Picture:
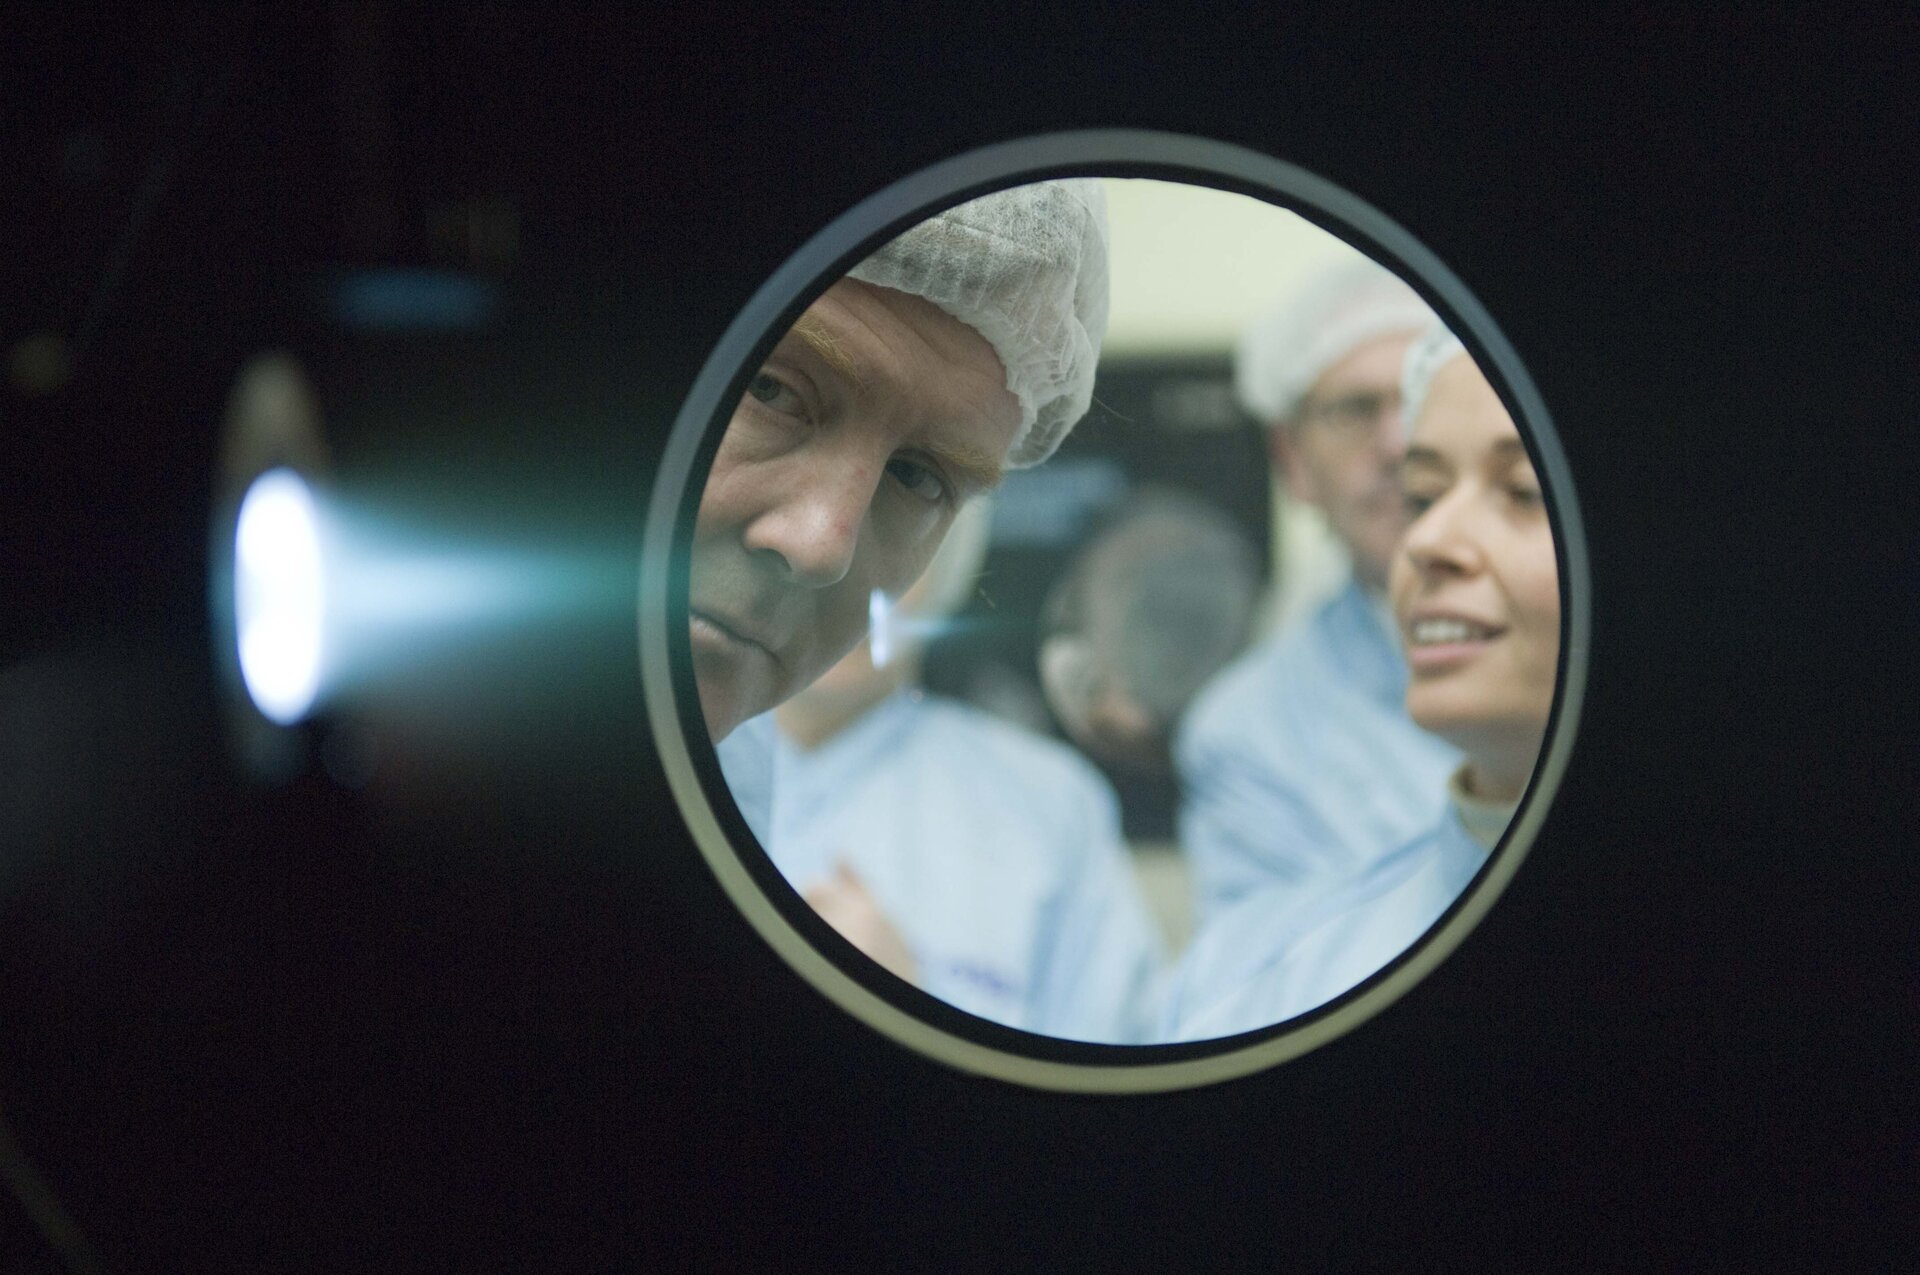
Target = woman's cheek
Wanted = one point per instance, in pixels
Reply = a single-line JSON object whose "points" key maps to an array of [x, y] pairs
{"points": [[1544, 605]]}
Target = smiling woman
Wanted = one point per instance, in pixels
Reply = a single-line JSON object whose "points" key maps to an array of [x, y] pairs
{"points": [[1475, 593], [950, 868], [1475, 586]]}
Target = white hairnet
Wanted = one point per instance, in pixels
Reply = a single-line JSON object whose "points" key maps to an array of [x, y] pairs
{"points": [[1026, 268], [1284, 352], [1431, 351]]}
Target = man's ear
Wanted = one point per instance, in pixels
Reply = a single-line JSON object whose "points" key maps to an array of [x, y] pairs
{"points": [[1283, 449]]}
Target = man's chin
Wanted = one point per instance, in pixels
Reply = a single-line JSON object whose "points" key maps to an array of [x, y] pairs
{"points": [[720, 711]]}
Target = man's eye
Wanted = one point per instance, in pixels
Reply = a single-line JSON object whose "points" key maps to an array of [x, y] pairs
{"points": [[776, 394], [920, 480]]}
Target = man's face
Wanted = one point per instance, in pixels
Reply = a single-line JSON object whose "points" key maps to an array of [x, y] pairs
{"points": [[1341, 450], [873, 420]]}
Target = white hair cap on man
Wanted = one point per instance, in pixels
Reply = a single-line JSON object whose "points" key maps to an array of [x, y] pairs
{"points": [[1284, 352], [1026, 268], [1432, 350]]}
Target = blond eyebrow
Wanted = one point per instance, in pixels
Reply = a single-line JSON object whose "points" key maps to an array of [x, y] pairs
{"points": [[821, 341], [973, 469]]}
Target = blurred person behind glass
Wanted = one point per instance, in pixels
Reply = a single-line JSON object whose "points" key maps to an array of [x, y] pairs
{"points": [[1158, 599], [1476, 598], [1299, 764]]}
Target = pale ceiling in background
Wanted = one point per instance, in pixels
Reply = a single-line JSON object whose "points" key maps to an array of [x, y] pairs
{"points": [[1193, 266]]}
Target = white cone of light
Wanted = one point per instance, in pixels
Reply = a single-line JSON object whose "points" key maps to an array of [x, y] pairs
{"points": [[277, 595]]}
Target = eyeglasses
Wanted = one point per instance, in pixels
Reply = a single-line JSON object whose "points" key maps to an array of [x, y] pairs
{"points": [[1350, 418]]}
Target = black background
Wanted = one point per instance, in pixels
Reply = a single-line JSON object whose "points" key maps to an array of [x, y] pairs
{"points": [[503, 1018]]}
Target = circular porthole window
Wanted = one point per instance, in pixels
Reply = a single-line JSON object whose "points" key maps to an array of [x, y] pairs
{"points": [[1114, 611]]}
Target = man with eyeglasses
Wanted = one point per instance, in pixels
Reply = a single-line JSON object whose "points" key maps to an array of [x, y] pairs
{"points": [[1299, 763]]}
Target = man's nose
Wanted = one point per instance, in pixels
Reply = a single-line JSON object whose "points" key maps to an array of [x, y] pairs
{"points": [[814, 527]]}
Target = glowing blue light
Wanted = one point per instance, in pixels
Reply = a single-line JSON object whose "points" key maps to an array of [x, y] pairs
{"points": [[278, 595]]}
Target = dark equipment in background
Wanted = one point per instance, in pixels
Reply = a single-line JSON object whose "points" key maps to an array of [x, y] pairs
{"points": [[1166, 425]]}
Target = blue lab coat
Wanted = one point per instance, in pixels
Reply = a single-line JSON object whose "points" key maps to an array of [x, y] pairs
{"points": [[1276, 954], [1299, 764], [995, 853], [746, 759]]}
